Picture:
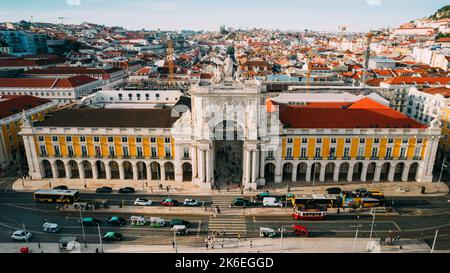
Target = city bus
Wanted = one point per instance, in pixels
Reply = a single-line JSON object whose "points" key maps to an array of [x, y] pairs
{"points": [[310, 214], [57, 196], [315, 200], [377, 195]]}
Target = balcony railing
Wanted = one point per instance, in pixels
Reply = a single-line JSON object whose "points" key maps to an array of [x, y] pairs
{"points": [[289, 158], [417, 158], [43, 155], [303, 158], [360, 158], [270, 158], [317, 158], [346, 158], [374, 158], [388, 158], [401, 158], [168, 157], [332, 158], [186, 158]]}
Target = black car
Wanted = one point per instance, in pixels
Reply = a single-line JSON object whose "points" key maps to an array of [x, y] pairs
{"points": [[240, 202], [62, 187], [179, 222], [126, 190], [104, 190], [334, 191], [116, 221]]}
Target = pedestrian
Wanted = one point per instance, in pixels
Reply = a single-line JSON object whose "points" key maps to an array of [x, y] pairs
{"points": [[96, 250], [173, 244], [338, 211], [218, 211], [167, 188], [212, 245], [239, 236], [151, 189], [206, 245], [251, 244], [39, 245]]}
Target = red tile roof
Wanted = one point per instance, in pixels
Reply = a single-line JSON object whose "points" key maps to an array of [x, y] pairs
{"points": [[418, 80], [444, 91], [70, 82], [16, 104], [365, 113]]}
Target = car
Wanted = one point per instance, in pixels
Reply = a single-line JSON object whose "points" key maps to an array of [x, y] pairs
{"points": [[127, 190], [362, 192], [191, 203], [271, 202], [21, 235], [142, 202], [334, 191], [62, 187], [179, 222], [240, 202], [112, 236], [118, 221], [169, 202], [89, 221], [104, 190]]}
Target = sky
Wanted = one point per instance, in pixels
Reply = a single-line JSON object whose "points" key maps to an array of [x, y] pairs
{"points": [[318, 15]]}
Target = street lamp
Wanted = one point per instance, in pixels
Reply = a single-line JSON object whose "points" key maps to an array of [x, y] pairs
{"points": [[175, 240], [356, 235], [371, 229], [82, 228], [100, 237], [25, 231], [434, 241], [442, 170], [314, 175], [282, 229]]}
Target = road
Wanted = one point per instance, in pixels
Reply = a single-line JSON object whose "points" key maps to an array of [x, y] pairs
{"points": [[420, 217]]}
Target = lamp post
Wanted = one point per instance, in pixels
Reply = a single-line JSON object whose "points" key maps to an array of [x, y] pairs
{"points": [[82, 228], [175, 240], [100, 237], [434, 241], [314, 175], [356, 235], [282, 229], [25, 231], [371, 229], [442, 170]]}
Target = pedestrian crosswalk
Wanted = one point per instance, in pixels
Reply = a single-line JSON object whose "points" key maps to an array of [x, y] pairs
{"points": [[229, 226], [223, 201]]}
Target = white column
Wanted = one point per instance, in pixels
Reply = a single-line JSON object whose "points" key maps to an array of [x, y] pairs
{"points": [[350, 173], [279, 166], [54, 169], [208, 166], [201, 164], [194, 162], [94, 170], [377, 173], [177, 163], [121, 171], [81, 170], [430, 160], [135, 170], [322, 173], [107, 170], [294, 173], [262, 164], [405, 172], [245, 164], [364, 173], [336, 173], [254, 166], [391, 172], [68, 170], [163, 172], [28, 143], [308, 173], [149, 171]]}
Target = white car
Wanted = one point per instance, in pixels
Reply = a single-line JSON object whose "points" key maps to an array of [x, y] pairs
{"points": [[191, 203], [143, 202], [21, 235]]}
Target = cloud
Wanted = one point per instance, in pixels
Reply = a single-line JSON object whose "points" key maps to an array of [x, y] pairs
{"points": [[73, 2], [373, 2]]}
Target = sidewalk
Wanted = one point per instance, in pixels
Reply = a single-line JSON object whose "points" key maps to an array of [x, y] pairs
{"points": [[390, 189], [264, 245]]}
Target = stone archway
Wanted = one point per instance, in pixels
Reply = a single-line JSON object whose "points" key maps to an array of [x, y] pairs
{"points": [[141, 170], [155, 171], [269, 172], [399, 171], [47, 169], [371, 169], [187, 171], [61, 169], [413, 169], [302, 168], [74, 169], [384, 175], [343, 171], [115, 172], [87, 168], [127, 170], [315, 171], [169, 169], [329, 171], [101, 169], [287, 171], [357, 171]]}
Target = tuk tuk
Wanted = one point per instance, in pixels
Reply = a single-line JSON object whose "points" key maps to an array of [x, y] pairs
{"points": [[157, 222], [50, 227], [300, 230], [138, 221], [180, 229], [267, 232]]}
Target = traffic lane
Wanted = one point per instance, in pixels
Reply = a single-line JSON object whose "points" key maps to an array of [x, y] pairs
{"points": [[128, 199]]}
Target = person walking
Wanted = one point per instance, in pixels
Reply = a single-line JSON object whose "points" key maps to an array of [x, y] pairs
{"points": [[173, 244], [251, 244], [206, 245]]}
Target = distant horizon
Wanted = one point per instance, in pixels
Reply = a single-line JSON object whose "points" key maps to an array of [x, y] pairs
{"points": [[202, 15]]}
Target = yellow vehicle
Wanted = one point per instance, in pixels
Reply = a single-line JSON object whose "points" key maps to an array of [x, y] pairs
{"points": [[377, 195], [57, 196]]}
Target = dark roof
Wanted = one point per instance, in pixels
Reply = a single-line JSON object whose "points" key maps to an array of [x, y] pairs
{"points": [[110, 118], [16, 104], [184, 101]]}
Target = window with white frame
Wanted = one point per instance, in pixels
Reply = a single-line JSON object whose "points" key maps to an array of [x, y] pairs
{"points": [[318, 152], [289, 140], [70, 150], [40, 138], [304, 152], [389, 152], [319, 140], [43, 150], [112, 151], [332, 152], [154, 152], [270, 154], [168, 152], [304, 140], [402, 152], [348, 140], [139, 152], [125, 151], [57, 151], [374, 152], [82, 139], [98, 150], [347, 152], [84, 150], [186, 152], [417, 152], [289, 152], [360, 151]]}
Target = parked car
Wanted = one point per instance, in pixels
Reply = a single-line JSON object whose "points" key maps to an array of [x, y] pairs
{"points": [[240, 202], [179, 222], [50, 227], [62, 187], [21, 235], [169, 202], [271, 202], [142, 202], [191, 203], [118, 221], [127, 190], [104, 190], [112, 236], [334, 191], [89, 221]]}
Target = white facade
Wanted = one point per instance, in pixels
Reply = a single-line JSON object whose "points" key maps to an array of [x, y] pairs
{"points": [[425, 107]]}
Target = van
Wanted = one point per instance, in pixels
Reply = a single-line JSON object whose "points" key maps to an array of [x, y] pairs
{"points": [[271, 202]]}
